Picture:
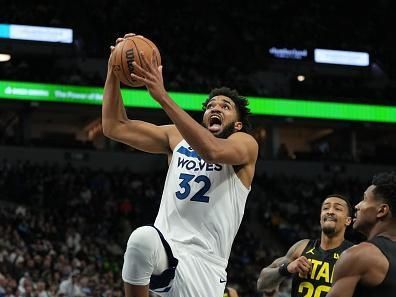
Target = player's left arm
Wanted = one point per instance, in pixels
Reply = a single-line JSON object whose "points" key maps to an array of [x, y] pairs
{"points": [[238, 149], [348, 272]]}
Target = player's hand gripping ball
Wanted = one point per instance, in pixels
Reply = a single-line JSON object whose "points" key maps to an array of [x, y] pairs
{"points": [[128, 51]]}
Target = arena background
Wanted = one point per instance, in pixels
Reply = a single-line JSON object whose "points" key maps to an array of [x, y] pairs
{"points": [[69, 197]]}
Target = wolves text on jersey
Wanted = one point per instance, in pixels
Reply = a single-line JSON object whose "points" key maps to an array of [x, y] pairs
{"points": [[197, 165]]}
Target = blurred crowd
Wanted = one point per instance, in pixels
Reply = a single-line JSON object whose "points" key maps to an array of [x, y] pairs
{"points": [[64, 229], [203, 47]]}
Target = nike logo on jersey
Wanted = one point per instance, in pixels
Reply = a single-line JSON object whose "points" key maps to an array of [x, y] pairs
{"points": [[222, 281], [311, 251]]}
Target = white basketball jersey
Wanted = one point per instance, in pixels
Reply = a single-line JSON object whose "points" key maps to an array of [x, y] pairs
{"points": [[202, 204]]}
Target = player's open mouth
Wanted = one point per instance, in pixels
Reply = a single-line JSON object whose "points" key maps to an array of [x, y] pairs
{"points": [[215, 123]]}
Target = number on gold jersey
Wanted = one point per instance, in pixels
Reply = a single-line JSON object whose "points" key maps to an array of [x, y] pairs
{"points": [[311, 291]]}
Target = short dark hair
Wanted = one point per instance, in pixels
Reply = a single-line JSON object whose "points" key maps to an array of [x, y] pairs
{"points": [[241, 104], [385, 188], [342, 197]]}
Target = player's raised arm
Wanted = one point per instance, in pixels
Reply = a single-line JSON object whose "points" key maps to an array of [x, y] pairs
{"points": [[221, 114], [272, 275], [116, 125]]}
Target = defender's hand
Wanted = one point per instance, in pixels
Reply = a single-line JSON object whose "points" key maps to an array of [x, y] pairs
{"points": [[301, 266]]}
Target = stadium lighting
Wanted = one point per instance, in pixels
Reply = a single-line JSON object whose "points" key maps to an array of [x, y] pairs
{"points": [[300, 78], [36, 33], [341, 57], [5, 57]]}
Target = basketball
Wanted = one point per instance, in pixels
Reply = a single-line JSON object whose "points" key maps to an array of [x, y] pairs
{"points": [[126, 52]]}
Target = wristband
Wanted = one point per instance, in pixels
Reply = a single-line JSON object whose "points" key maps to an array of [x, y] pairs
{"points": [[283, 270]]}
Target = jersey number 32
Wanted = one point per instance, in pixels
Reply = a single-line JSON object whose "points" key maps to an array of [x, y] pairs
{"points": [[185, 187]]}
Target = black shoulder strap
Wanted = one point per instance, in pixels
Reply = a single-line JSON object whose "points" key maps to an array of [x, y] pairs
{"points": [[312, 244]]}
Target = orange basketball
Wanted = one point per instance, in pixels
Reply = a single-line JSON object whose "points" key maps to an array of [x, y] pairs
{"points": [[126, 52]]}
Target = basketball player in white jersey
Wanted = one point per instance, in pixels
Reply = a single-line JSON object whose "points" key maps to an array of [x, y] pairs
{"points": [[211, 168]]}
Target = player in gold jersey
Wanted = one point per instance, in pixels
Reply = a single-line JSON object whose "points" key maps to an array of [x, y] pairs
{"points": [[311, 262]]}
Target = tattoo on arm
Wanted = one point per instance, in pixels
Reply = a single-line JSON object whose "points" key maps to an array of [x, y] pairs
{"points": [[270, 278]]}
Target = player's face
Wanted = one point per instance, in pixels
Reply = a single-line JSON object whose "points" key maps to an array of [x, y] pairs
{"points": [[221, 117], [334, 216], [366, 212]]}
